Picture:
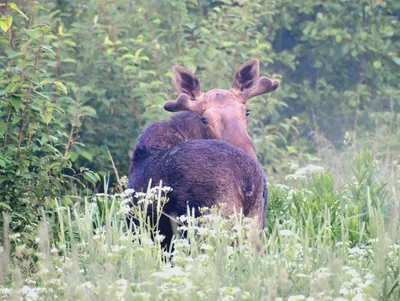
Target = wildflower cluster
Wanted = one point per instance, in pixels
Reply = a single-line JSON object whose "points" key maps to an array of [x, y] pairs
{"points": [[98, 256]]}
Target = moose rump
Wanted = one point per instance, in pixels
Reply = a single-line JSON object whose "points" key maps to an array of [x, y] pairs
{"points": [[218, 173]]}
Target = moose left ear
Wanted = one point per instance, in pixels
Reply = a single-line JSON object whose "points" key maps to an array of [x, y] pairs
{"points": [[247, 75]]}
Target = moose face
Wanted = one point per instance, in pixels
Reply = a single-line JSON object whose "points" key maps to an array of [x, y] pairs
{"points": [[224, 113]]}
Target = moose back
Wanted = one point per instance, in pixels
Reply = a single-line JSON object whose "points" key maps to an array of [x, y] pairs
{"points": [[205, 153]]}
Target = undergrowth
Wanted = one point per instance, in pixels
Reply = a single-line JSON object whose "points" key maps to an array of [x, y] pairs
{"points": [[320, 244]]}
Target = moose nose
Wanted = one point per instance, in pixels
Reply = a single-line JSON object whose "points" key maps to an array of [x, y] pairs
{"points": [[237, 135]]}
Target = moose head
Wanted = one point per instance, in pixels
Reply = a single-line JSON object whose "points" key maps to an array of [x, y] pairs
{"points": [[224, 114]]}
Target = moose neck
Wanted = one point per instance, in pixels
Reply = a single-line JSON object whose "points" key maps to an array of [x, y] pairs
{"points": [[189, 127], [238, 136]]}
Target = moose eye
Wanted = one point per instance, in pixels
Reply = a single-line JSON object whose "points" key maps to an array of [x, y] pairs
{"points": [[204, 121], [248, 112]]}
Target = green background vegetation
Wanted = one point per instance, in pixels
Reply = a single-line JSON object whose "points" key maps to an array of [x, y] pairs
{"points": [[79, 80]]}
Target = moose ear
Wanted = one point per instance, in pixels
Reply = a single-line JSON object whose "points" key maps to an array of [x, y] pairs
{"points": [[247, 75], [186, 82]]}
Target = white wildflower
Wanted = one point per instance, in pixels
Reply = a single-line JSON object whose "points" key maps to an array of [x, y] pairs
{"points": [[123, 237], [358, 297], [125, 209], [166, 189], [101, 194], [129, 191], [5, 291], [169, 273], [296, 298], [202, 295], [285, 233], [304, 171], [282, 186], [182, 243], [344, 291], [159, 237], [182, 218], [58, 269], [30, 281], [30, 294], [87, 285], [206, 247], [357, 251], [323, 273], [14, 236], [118, 249]]}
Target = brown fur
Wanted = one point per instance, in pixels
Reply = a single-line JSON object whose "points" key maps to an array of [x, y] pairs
{"points": [[205, 163]]}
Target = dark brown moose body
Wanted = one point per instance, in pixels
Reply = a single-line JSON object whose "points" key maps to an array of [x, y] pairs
{"points": [[205, 155]]}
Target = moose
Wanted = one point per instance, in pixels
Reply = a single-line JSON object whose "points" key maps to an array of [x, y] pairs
{"points": [[205, 153]]}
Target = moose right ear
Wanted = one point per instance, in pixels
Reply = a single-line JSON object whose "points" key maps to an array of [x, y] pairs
{"points": [[247, 75], [186, 82]]}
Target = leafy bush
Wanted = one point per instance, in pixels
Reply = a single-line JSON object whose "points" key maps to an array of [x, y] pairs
{"points": [[39, 121]]}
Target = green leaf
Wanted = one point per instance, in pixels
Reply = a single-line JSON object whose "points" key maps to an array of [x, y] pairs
{"points": [[16, 103], [69, 60], [12, 87], [6, 22], [41, 94], [3, 127], [13, 54], [47, 116], [86, 155], [4, 205], [69, 43], [108, 42], [377, 64], [387, 31], [90, 177], [87, 110], [15, 7], [59, 85], [48, 49], [396, 60]]}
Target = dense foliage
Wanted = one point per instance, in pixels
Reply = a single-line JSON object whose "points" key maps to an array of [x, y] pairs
{"points": [[320, 244]]}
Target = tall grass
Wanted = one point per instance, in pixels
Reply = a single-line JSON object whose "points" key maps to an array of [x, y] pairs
{"points": [[321, 243]]}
